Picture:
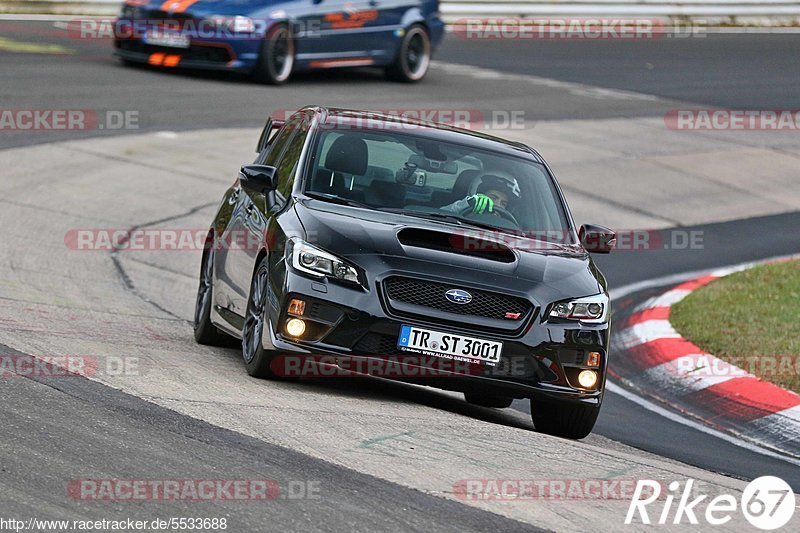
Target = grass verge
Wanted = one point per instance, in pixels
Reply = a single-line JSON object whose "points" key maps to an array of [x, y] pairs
{"points": [[750, 319]]}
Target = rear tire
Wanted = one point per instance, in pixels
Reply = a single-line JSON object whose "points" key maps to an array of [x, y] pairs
{"points": [[257, 360], [413, 57], [204, 331], [488, 400], [276, 61], [568, 420]]}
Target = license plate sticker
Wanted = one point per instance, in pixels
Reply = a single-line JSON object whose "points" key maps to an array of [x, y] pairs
{"points": [[449, 345], [172, 39]]}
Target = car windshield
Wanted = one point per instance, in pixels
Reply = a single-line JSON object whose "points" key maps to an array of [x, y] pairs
{"points": [[419, 176]]}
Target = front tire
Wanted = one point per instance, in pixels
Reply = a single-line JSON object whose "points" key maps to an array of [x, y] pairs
{"points": [[276, 60], [568, 420], [257, 360], [204, 331], [413, 57]]}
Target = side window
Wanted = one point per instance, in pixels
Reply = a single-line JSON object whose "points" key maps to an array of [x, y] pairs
{"points": [[290, 158], [271, 154]]}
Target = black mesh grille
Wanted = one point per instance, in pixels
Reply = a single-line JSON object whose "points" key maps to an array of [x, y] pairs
{"points": [[158, 14], [432, 294], [377, 344]]}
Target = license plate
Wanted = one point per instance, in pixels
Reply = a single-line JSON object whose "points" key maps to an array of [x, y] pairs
{"points": [[166, 38], [449, 345]]}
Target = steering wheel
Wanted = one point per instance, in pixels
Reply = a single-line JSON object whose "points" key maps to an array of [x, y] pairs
{"points": [[504, 213]]}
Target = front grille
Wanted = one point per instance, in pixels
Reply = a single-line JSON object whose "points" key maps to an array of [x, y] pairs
{"points": [[161, 15], [377, 344], [431, 294]]}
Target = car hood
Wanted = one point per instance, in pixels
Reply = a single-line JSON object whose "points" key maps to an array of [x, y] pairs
{"points": [[356, 234], [216, 7]]}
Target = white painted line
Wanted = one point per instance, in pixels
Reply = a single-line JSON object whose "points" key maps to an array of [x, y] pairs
{"points": [[691, 373], [578, 89], [647, 331], [616, 389], [668, 299]]}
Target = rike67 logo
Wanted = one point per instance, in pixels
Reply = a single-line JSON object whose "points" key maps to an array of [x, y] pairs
{"points": [[767, 503]]}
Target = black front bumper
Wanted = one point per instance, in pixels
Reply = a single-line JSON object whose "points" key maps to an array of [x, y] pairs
{"points": [[198, 56], [540, 359]]}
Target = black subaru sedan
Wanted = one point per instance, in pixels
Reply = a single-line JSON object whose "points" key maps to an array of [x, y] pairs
{"points": [[373, 244]]}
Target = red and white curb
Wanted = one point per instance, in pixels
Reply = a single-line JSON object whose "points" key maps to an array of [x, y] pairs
{"points": [[664, 365]]}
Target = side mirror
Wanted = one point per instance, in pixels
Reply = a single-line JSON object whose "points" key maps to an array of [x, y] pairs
{"points": [[258, 178], [597, 239]]}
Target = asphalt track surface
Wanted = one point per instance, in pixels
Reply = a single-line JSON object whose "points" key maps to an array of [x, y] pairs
{"points": [[736, 71]]}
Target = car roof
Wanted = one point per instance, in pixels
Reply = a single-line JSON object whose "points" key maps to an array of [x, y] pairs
{"points": [[432, 130]]}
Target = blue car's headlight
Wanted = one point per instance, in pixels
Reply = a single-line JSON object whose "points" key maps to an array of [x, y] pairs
{"points": [[235, 24]]}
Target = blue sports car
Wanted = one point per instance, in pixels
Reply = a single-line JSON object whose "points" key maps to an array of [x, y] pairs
{"points": [[273, 38]]}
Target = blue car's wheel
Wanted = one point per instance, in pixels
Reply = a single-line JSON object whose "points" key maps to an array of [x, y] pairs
{"points": [[277, 56], [413, 57]]}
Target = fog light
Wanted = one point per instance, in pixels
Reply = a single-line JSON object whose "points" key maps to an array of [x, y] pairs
{"points": [[587, 379], [593, 359], [295, 327], [296, 307]]}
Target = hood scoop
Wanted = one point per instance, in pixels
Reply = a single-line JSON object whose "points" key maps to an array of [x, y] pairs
{"points": [[462, 243]]}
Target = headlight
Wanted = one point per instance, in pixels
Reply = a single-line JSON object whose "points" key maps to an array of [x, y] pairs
{"points": [[237, 24], [310, 259], [591, 309]]}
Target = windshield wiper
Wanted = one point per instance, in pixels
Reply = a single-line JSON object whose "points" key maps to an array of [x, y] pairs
{"points": [[334, 199]]}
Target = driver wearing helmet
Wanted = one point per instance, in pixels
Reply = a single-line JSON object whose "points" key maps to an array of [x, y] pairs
{"points": [[495, 189]]}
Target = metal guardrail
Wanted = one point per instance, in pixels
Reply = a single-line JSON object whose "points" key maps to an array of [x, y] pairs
{"points": [[712, 11]]}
